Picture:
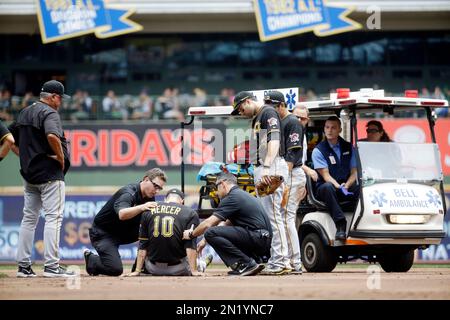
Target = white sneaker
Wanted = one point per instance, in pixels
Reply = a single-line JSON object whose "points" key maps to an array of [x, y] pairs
{"points": [[298, 270]]}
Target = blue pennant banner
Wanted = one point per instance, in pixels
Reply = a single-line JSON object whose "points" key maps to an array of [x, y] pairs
{"points": [[64, 19], [282, 18]]}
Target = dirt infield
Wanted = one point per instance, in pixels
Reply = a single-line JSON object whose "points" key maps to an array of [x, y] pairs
{"points": [[346, 282]]}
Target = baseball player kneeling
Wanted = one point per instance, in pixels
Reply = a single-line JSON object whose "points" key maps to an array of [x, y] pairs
{"points": [[162, 251]]}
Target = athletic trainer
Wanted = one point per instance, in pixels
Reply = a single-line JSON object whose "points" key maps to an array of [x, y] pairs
{"points": [[238, 230], [117, 223]]}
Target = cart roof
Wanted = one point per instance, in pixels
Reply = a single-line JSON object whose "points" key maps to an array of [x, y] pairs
{"points": [[364, 100], [210, 111], [372, 100]]}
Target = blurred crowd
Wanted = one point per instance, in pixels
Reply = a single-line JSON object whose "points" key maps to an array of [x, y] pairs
{"points": [[171, 104]]}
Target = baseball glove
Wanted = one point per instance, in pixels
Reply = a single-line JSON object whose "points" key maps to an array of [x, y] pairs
{"points": [[266, 189]]}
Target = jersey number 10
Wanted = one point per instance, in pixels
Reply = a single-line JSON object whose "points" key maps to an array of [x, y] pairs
{"points": [[163, 226]]}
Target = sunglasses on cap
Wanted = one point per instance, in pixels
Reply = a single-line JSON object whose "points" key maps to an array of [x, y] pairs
{"points": [[268, 100], [238, 103]]}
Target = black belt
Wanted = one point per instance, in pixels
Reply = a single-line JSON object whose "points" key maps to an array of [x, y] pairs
{"points": [[168, 263]]}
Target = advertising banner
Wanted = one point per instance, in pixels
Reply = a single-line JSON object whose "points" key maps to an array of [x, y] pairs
{"points": [[79, 212], [416, 131], [439, 252], [138, 146]]}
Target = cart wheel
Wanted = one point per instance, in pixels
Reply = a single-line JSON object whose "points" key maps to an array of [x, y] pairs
{"points": [[317, 257], [397, 261]]}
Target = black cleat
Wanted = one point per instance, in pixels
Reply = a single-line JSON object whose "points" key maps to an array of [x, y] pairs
{"points": [[25, 272], [87, 253], [249, 269]]}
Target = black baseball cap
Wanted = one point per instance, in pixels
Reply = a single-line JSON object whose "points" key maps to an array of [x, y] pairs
{"points": [[274, 97], [54, 86], [175, 191], [239, 98]]}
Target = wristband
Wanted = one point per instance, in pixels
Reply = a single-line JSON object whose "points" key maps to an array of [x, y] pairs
{"points": [[190, 235]]}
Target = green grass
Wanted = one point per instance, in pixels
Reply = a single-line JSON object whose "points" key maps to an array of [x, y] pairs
{"points": [[424, 265], [8, 267]]}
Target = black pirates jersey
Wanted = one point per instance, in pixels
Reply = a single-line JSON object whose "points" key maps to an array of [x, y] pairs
{"points": [[293, 139], [161, 232], [266, 126]]}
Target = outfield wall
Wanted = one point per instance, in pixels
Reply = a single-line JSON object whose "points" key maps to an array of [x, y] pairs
{"points": [[79, 213]]}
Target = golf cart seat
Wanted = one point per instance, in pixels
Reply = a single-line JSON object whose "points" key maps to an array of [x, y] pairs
{"points": [[320, 205], [311, 187]]}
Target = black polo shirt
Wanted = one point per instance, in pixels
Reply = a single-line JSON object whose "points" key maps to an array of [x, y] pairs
{"points": [[243, 210], [30, 132], [107, 219]]}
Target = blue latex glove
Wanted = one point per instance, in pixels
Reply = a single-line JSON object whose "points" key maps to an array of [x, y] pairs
{"points": [[345, 191]]}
